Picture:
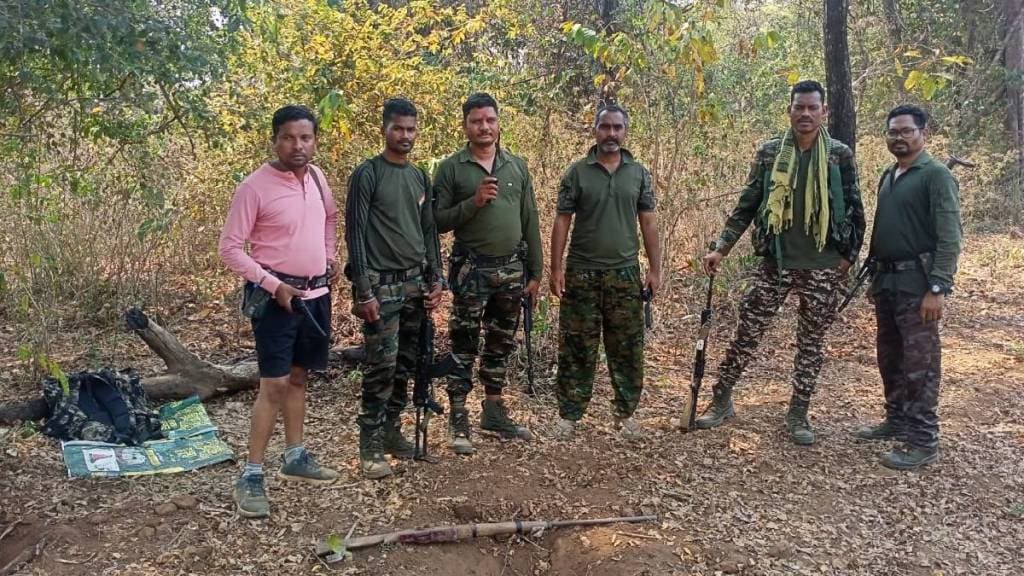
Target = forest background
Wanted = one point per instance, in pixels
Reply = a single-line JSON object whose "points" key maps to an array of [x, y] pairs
{"points": [[125, 126]]}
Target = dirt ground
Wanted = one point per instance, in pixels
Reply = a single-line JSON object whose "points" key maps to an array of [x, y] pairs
{"points": [[740, 499]]}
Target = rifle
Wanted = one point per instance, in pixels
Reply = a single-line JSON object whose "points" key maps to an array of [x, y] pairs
{"points": [[646, 295], [700, 357], [527, 331], [867, 270], [334, 548], [427, 369]]}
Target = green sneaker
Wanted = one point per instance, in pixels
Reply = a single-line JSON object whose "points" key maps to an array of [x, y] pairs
{"points": [[797, 424], [394, 443], [305, 469], [458, 428], [885, 430], [251, 498], [909, 457], [720, 410], [371, 454], [494, 418]]}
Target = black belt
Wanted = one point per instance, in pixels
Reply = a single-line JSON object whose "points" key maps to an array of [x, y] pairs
{"points": [[302, 282], [393, 276], [482, 261], [898, 265]]}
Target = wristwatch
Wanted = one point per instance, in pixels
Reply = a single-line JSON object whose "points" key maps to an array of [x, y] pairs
{"points": [[938, 289]]}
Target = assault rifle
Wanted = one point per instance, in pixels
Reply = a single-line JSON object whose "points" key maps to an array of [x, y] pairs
{"points": [[700, 357], [867, 270], [428, 368]]}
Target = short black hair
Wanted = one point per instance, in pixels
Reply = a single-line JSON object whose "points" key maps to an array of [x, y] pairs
{"points": [[291, 113], [394, 107], [920, 116], [611, 108], [478, 100], [806, 87]]}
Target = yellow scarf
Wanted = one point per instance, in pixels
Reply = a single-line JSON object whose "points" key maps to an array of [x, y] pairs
{"points": [[780, 191]]}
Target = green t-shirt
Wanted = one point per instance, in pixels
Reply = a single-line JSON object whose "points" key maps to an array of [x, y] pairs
{"points": [[799, 252], [498, 227], [917, 213], [605, 208], [389, 223]]}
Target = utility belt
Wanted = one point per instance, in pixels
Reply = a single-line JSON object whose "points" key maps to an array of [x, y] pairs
{"points": [[461, 253], [922, 262], [301, 282], [396, 276]]}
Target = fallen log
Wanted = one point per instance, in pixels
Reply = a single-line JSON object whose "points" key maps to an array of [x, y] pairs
{"points": [[186, 374], [334, 548]]}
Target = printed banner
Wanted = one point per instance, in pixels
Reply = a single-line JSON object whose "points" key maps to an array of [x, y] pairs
{"points": [[191, 442]]}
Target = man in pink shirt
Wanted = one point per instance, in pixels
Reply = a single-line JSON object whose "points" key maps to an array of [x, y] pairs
{"points": [[286, 212]]}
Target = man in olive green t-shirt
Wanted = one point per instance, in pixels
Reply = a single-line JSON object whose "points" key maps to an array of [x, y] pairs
{"points": [[606, 193], [395, 269], [915, 243], [485, 195]]}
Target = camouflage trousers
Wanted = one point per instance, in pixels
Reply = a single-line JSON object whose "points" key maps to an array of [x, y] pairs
{"points": [[910, 363], [491, 296], [818, 292], [596, 302], [392, 344]]}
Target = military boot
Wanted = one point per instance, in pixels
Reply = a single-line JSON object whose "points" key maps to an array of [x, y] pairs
{"points": [[458, 427], [797, 424], [393, 441], [721, 409], [371, 454], [885, 430], [909, 457], [494, 418]]}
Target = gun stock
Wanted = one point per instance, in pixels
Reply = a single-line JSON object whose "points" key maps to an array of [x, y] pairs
{"points": [[527, 340]]}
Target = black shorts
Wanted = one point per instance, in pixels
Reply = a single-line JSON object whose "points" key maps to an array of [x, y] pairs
{"points": [[284, 340]]}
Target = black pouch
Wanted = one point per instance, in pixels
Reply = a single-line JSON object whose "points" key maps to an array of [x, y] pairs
{"points": [[254, 301]]}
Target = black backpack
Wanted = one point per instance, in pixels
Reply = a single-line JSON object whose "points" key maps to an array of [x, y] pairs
{"points": [[104, 406]]}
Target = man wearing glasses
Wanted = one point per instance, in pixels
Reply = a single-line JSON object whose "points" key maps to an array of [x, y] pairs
{"points": [[915, 243]]}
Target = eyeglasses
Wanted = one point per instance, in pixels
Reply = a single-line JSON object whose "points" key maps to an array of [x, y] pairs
{"points": [[904, 133]]}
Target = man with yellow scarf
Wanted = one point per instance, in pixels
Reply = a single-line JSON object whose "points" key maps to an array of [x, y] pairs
{"points": [[803, 199]]}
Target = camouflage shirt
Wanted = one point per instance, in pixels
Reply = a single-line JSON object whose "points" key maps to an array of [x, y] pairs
{"points": [[846, 230]]}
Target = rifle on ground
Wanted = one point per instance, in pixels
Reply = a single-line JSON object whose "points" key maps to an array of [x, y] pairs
{"points": [[427, 369], [867, 270], [527, 339], [334, 549], [700, 357], [647, 296]]}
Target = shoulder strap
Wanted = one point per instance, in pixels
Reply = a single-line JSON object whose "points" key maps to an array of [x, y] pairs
{"points": [[316, 180]]}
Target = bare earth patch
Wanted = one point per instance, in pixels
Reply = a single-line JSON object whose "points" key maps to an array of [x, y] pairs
{"points": [[737, 500]]}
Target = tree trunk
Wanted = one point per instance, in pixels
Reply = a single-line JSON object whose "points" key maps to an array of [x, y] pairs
{"points": [[842, 121], [608, 12], [894, 25], [1013, 60]]}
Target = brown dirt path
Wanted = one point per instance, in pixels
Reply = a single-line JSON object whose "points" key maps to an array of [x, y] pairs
{"points": [[737, 500]]}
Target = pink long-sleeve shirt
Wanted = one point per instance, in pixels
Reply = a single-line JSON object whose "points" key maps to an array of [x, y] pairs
{"points": [[290, 228]]}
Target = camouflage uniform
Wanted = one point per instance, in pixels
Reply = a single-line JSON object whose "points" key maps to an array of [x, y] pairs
{"points": [[811, 274], [602, 282], [916, 242], [817, 291], [391, 346], [491, 294], [597, 301]]}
